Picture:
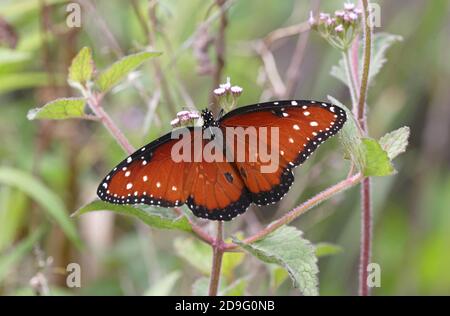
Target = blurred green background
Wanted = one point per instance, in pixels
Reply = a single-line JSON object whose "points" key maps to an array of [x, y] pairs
{"points": [[61, 162]]}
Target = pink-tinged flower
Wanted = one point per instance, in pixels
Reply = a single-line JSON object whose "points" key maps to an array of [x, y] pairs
{"points": [[349, 6], [220, 91], [236, 90], [311, 19], [183, 115], [330, 21], [347, 17], [175, 122], [357, 11], [185, 118], [339, 13], [323, 16], [353, 16], [339, 28]]}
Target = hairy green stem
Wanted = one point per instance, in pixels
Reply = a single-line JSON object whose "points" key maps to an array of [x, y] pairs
{"points": [[218, 249], [366, 207]]}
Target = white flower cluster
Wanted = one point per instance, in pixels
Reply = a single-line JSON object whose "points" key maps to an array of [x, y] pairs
{"points": [[339, 29]]}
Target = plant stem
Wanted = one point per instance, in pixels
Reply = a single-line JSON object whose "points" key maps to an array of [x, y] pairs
{"points": [[366, 212], [366, 237], [218, 249], [94, 102]]}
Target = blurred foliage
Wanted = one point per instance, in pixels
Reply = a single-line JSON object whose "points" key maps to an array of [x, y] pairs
{"points": [[49, 169]]}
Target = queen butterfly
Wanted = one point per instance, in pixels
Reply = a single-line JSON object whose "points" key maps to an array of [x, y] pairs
{"points": [[223, 189]]}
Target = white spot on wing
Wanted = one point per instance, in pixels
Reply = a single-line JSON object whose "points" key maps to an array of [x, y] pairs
{"points": [[129, 185], [314, 123]]}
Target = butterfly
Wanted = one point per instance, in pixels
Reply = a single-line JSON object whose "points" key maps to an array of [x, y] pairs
{"points": [[221, 189]]}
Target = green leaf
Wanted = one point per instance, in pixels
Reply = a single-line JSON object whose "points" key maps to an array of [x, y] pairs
{"points": [[381, 42], [120, 69], [164, 286], [59, 109], [377, 162], [23, 80], [48, 200], [82, 67], [395, 142], [366, 153], [9, 56], [326, 249], [14, 205], [159, 218], [200, 287], [287, 248], [350, 137], [9, 260]]}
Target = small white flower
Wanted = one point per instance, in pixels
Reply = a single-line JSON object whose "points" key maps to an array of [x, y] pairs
{"points": [[236, 90], [339, 28], [324, 16], [339, 13], [220, 91], [347, 17], [358, 11], [175, 122], [183, 114], [353, 16], [349, 6]]}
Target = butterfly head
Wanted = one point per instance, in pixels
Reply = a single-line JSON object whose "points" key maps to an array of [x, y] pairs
{"points": [[208, 118]]}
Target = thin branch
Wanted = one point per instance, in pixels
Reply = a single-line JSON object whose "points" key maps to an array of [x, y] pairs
{"points": [[284, 32], [366, 212], [216, 260], [293, 71], [94, 102], [271, 68]]}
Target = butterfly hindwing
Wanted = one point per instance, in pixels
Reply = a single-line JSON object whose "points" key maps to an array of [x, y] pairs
{"points": [[301, 126]]}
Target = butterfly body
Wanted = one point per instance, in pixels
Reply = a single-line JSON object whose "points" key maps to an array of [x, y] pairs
{"points": [[224, 188]]}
